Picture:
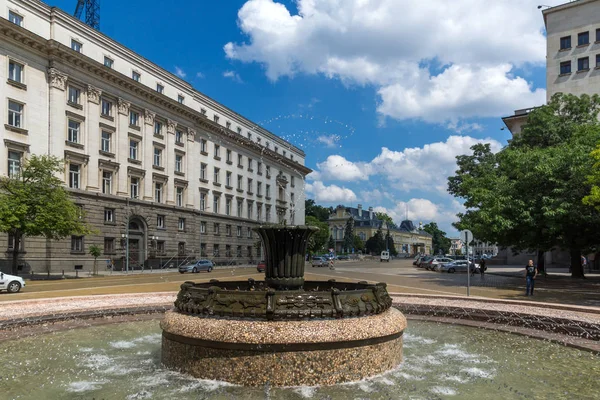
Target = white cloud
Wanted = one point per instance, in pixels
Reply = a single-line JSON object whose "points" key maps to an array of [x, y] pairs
{"points": [[424, 168], [234, 76], [433, 60], [199, 75], [179, 72], [338, 168], [329, 194], [424, 210], [330, 141]]}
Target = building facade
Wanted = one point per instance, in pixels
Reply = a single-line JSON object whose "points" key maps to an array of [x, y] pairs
{"points": [[407, 238], [572, 67], [153, 163], [456, 246]]}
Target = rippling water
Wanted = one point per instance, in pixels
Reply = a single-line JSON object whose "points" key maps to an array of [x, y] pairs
{"points": [[122, 361]]}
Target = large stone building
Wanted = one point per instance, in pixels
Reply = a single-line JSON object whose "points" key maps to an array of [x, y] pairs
{"points": [[407, 238], [572, 67], [146, 155]]}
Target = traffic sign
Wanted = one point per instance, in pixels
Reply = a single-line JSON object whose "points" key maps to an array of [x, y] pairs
{"points": [[466, 236]]}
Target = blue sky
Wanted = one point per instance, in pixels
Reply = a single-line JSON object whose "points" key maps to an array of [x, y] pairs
{"points": [[424, 80]]}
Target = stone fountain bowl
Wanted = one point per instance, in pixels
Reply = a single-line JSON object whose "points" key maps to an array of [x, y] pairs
{"points": [[255, 300]]}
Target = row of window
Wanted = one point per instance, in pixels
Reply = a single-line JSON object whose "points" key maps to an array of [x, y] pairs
{"points": [[583, 39], [583, 64], [77, 46], [77, 246]]}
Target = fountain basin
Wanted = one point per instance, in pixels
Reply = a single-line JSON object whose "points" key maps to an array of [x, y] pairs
{"points": [[283, 353]]}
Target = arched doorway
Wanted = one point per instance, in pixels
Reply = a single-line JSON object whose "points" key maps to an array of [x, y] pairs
{"points": [[137, 242]]}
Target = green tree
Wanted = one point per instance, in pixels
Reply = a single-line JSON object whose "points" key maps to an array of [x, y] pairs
{"points": [[531, 194], [390, 244], [358, 244], [331, 243], [317, 241], [34, 203], [348, 235], [384, 217], [311, 209], [440, 243], [376, 244], [95, 252]]}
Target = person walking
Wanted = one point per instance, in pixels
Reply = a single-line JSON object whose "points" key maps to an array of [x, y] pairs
{"points": [[530, 275], [482, 267]]}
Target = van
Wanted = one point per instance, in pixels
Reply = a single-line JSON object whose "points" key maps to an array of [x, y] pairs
{"points": [[385, 256]]}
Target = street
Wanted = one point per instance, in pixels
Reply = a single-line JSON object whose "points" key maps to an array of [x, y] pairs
{"points": [[400, 275]]}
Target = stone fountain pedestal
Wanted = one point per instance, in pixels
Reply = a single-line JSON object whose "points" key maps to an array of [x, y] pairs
{"points": [[283, 331], [283, 353]]}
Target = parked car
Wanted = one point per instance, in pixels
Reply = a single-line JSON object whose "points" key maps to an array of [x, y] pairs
{"points": [[319, 262], [11, 283], [261, 266], [431, 264], [456, 266], [197, 266], [421, 261], [385, 256]]}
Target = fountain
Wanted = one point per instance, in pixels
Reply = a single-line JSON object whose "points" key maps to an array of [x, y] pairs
{"points": [[283, 331]]}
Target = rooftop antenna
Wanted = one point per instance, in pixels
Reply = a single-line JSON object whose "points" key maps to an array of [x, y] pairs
{"points": [[92, 12]]}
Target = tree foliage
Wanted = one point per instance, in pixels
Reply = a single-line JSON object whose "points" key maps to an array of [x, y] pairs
{"points": [[376, 243], [529, 196], [384, 217], [348, 235], [331, 243], [440, 243], [317, 242], [95, 252], [390, 244], [311, 209], [358, 244], [35, 203]]}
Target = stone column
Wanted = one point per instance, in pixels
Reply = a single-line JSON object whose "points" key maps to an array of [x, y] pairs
{"points": [[122, 144], [58, 123], [170, 161], [192, 170], [92, 137]]}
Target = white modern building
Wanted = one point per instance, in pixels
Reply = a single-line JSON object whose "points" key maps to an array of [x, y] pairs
{"points": [[145, 153]]}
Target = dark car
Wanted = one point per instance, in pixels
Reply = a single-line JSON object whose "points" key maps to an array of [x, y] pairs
{"points": [[197, 266], [261, 266]]}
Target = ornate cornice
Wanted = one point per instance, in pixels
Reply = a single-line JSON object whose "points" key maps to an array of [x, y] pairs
{"points": [[191, 135], [57, 52]]}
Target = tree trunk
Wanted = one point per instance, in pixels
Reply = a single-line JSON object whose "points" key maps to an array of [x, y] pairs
{"points": [[95, 266], [15, 254], [541, 262], [576, 267]]}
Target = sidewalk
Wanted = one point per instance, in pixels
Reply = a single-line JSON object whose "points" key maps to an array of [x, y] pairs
{"points": [[519, 271]]}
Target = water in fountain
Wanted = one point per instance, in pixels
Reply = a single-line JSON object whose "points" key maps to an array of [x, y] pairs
{"points": [[122, 361]]}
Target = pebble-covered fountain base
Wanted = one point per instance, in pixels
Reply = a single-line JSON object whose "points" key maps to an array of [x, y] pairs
{"points": [[283, 331], [283, 353]]}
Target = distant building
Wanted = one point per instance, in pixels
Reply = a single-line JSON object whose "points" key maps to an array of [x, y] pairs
{"points": [[407, 238], [479, 248], [456, 246]]}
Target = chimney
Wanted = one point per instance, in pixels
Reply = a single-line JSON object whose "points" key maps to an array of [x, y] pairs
{"points": [[370, 212], [360, 211]]}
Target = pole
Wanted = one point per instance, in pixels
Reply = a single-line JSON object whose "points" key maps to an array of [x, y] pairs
{"points": [[469, 270]]}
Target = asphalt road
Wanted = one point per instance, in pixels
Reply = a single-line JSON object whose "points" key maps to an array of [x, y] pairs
{"points": [[400, 275]]}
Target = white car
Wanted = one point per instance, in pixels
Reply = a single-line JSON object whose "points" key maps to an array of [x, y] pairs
{"points": [[11, 283], [385, 256]]}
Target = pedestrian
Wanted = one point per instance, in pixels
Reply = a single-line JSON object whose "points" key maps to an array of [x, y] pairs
{"points": [[583, 264], [482, 266], [530, 275]]}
